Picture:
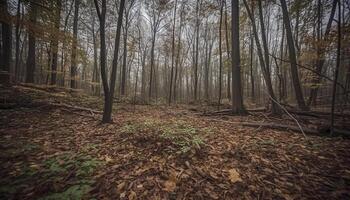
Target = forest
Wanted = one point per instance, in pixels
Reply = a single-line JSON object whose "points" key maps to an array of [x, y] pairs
{"points": [[174, 99]]}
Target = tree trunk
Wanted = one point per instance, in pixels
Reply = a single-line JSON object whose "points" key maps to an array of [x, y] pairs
{"points": [[220, 51], [31, 45], [237, 98], [321, 57], [73, 69], [54, 42], [6, 33], [196, 52], [336, 71], [265, 70], [228, 54], [292, 58], [17, 35], [172, 54]]}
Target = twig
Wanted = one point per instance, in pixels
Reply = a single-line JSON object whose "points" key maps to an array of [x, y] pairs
{"points": [[290, 115]]}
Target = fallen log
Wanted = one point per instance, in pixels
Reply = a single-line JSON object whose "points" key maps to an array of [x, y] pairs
{"points": [[75, 108], [317, 113], [280, 127], [321, 132]]}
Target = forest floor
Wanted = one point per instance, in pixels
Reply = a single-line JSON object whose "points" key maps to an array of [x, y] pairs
{"points": [[51, 151]]}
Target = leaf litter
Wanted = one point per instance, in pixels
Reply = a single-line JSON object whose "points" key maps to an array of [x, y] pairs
{"points": [[159, 153]]}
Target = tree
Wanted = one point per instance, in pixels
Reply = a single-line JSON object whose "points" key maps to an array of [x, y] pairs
{"points": [[172, 54], [6, 33], [31, 62], [321, 53], [221, 4], [125, 55], [108, 90], [196, 50], [263, 59], [57, 17], [336, 71], [292, 57], [73, 69], [237, 97]]}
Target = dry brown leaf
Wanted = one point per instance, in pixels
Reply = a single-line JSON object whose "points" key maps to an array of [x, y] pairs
{"points": [[121, 186], [169, 186], [234, 176], [132, 195], [108, 159]]}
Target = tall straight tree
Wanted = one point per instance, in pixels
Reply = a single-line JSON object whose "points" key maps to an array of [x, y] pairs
{"points": [[172, 54], [336, 71], [6, 33], [320, 52], [264, 61], [237, 97], [221, 4], [73, 69], [125, 55], [196, 51], [57, 17], [292, 58], [108, 90], [31, 44]]}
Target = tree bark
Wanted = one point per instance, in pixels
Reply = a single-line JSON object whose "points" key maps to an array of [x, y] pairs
{"points": [[220, 50], [172, 54], [6, 32], [31, 45], [54, 42], [237, 98], [292, 57], [73, 69]]}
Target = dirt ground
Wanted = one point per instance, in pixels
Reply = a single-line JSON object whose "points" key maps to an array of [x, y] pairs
{"points": [[157, 152]]}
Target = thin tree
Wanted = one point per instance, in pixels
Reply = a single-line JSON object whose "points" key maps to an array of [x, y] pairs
{"points": [[336, 71], [6, 33], [237, 97], [221, 3], [108, 90], [31, 62], [172, 54], [54, 42], [292, 57], [73, 69], [263, 61], [125, 55]]}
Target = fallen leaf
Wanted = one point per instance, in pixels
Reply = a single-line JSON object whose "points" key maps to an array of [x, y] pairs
{"points": [[120, 186], [108, 159], [132, 195], [169, 186], [234, 176]]}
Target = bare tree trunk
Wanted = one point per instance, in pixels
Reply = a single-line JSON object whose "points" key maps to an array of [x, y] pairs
{"points": [[152, 65], [264, 68], [196, 52], [336, 71], [54, 42], [109, 92], [292, 58], [123, 85], [172, 54], [228, 54], [73, 69], [220, 51], [321, 57], [31, 45], [251, 66], [237, 98], [17, 35], [6, 33]]}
